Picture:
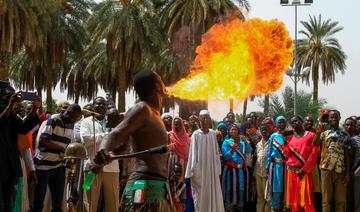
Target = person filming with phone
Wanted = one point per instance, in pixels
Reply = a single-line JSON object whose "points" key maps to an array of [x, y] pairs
{"points": [[10, 126]]}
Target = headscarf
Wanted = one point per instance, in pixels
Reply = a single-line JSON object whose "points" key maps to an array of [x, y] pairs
{"points": [[179, 141], [281, 117], [221, 124]]}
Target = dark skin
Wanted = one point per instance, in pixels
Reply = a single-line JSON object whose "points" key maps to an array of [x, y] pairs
{"points": [[223, 131], [143, 125], [194, 123], [100, 107], [308, 123], [265, 132], [231, 117], [281, 125], [168, 122], [253, 117], [69, 118], [299, 131], [227, 121], [350, 126], [334, 120], [234, 133], [177, 124], [205, 123]]}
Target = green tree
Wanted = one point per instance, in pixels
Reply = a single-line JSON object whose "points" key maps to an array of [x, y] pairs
{"points": [[131, 32], [284, 104], [321, 51], [64, 36], [19, 26]]}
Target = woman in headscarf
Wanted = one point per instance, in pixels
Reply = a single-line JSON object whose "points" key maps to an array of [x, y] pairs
{"points": [[235, 151], [179, 151]]}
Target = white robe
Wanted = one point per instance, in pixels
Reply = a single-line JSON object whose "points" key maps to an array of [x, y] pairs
{"points": [[204, 169]]}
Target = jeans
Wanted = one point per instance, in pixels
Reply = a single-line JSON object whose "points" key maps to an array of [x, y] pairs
{"points": [[8, 190], [55, 178]]}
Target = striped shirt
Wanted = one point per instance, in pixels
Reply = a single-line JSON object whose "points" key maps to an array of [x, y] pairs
{"points": [[56, 131]]}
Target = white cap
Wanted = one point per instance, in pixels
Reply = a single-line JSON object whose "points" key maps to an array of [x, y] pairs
{"points": [[165, 114], [204, 112]]}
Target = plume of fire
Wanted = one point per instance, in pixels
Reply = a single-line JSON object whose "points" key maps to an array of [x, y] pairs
{"points": [[237, 59]]}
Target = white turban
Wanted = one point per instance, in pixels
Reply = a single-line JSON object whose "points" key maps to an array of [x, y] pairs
{"points": [[204, 112]]}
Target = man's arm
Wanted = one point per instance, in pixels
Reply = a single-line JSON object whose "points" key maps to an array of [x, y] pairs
{"points": [[133, 121], [46, 137]]}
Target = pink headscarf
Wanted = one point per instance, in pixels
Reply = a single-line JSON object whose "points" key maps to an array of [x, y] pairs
{"points": [[179, 141]]}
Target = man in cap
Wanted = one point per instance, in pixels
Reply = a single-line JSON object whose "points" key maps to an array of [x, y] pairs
{"points": [[204, 168], [167, 119]]}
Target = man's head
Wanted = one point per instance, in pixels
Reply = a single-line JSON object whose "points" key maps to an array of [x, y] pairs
{"points": [[149, 87], [296, 123], [334, 118], [62, 106], [270, 123], [19, 110], [73, 114], [6, 91], [205, 119], [308, 123], [167, 119], [280, 122], [28, 108], [227, 121], [100, 105], [350, 126], [194, 122], [178, 124], [253, 117], [231, 117], [265, 131]]}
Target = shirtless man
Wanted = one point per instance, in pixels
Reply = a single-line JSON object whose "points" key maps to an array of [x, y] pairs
{"points": [[147, 187]]}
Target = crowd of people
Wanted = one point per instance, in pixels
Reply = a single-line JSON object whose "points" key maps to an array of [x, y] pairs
{"points": [[261, 164]]}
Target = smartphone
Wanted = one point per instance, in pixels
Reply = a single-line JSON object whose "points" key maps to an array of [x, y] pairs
{"points": [[30, 96]]}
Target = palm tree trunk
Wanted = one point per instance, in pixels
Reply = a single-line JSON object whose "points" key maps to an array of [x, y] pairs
{"points": [[39, 93], [266, 104], [4, 65], [245, 107], [49, 91], [316, 83], [122, 90], [77, 97], [113, 94]]}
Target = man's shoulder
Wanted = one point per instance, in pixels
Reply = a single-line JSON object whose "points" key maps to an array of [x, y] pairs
{"points": [[139, 108]]}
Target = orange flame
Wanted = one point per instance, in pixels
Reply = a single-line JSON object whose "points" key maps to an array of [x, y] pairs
{"points": [[237, 59]]}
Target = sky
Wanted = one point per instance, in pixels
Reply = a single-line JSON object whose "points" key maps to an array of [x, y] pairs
{"points": [[345, 92]]}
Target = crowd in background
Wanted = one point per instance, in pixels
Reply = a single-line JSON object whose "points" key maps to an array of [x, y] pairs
{"points": [[266, 163]]}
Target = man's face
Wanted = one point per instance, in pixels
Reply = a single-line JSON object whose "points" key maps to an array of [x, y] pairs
{"points": [[205, 121], [194, 120], [167, 120], [28, 109], [308, 123], [19, 109], [160, 90], [227, 121], [358, 126], [253, 117], [177, 124], [296, 123], [281, 124], [349, 126], [100, 106], [334, 119], [265, 132], [73, 117], [231, 118]]}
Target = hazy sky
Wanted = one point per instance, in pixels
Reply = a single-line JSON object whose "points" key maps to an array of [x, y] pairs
{"points": [[345, 92]]}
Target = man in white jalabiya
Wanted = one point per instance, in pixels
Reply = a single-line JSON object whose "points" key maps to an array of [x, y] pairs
{"points": [[204, 167]]}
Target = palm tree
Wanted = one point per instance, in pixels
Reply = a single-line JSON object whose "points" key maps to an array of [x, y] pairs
{"points": [[321, 51], [284, 104], [64, 35], [131, 32], [19, 25]]}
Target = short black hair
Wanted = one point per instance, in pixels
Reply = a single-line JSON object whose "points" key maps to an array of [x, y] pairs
{"points": [[145, 84], [335, 111], [74, 109]]}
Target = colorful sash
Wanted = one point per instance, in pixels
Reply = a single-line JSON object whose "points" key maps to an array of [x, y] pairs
{"points": [[279, 147], [297, 155]]}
